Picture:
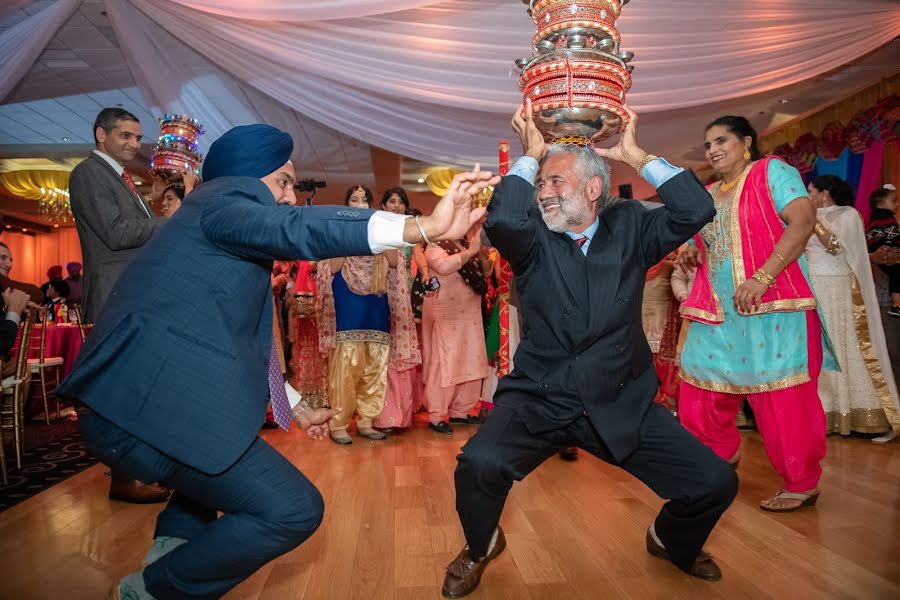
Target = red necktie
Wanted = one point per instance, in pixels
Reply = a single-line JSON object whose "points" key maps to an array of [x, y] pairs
{"points": [[130, 182], [582, 241]]}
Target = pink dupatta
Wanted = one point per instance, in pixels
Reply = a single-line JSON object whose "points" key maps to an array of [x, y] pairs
{"points": [[755, 229]]}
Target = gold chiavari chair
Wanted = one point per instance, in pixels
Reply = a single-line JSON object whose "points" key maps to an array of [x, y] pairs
{"points": [[44, 367], [15, 392], [79, 319]]}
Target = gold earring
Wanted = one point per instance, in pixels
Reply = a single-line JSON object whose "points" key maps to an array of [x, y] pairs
{"points": [[747, 155]]}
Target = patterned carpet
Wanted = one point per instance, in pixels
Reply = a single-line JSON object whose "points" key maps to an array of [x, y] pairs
{"points": [[56, 453]]}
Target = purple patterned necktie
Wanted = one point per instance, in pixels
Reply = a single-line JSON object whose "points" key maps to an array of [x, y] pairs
{"points": [[281, 407]]}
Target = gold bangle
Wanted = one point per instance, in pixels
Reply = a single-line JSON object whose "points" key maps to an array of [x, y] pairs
{"points": [[646, 161], [779, 257], [764, 278], [820, 229]]}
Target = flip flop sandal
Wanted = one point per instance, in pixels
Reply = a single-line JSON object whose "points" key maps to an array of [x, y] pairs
{"points": [[805, 500]]}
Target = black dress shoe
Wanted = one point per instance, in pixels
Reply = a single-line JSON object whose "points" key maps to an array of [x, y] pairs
{"points": [[468, 420], [441, 427], [269, 425]]}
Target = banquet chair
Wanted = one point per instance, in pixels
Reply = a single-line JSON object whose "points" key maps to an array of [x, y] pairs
{"points": [[79, 319], [46, 365], [15, 390]]}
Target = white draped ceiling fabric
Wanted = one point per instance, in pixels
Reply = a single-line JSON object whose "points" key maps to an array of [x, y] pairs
{"points": [[434, 80]]}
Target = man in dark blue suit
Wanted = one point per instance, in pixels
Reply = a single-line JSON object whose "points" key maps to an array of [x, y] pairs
{"points": [[583, 371], [176, 388]]}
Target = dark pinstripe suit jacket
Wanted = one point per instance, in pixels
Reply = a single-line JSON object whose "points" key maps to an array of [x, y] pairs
{"points": [[584, 346]]}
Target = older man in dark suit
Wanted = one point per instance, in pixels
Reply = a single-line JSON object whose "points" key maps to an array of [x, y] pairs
{"points": [[113, 223], [583, 371], [178, 388]]}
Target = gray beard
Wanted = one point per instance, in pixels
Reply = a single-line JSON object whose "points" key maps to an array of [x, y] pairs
{"points": [[567, 215]]}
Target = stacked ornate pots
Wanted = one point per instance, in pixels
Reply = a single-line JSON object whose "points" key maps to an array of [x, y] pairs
{"points": [[577, 76], [176, 149]]}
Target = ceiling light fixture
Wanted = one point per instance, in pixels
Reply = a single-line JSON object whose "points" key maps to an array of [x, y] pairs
{"points": [[784, 100], [65, 139], [421, 180]]}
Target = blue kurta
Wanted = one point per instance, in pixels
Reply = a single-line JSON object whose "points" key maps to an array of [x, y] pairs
{"points": [[359, 313]]}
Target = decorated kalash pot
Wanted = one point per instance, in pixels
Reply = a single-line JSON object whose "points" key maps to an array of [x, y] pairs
{"points": [[176, 149], [577, 76]]}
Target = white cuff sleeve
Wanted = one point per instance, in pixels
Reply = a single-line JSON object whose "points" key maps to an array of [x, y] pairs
{"points": [[14, 317], [385, 231], [292, 394]]}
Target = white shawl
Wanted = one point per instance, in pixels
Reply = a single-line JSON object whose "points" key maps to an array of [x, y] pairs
{"points": [[847, 225]]}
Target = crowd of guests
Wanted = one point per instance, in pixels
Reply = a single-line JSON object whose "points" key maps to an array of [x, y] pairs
{"points": [[429, 328], [382, 337]]}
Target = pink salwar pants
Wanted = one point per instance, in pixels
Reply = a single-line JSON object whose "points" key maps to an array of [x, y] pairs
{"points": [[791, 422]]}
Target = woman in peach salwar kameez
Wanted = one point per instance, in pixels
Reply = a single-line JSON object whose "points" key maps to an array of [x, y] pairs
{"points": [[455, 358]]}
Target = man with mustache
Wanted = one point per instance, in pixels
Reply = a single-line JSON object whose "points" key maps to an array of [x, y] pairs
{"points": [[583, 372]]}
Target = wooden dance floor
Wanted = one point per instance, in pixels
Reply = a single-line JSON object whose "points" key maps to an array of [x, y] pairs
{"points": [[575, 530]]}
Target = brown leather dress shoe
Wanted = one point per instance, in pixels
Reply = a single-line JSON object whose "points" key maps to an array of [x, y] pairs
{"points": [[464, 573], [569, 453], [136, 492], [704, 566]]}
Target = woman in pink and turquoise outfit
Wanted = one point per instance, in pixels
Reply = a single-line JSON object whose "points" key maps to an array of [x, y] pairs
{"points": [[754, 329]]}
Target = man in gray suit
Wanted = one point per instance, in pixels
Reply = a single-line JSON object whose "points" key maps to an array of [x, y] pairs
{"points": [[112, 218], [113, 223]]}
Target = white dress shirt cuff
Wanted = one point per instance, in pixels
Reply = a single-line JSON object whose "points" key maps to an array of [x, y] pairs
{"points": [[385, 231], [14, 317], [293, 395]]}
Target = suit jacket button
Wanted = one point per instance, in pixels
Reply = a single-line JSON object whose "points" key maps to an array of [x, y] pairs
{"points": [[621, 385], [619, 348], [566, 312]]}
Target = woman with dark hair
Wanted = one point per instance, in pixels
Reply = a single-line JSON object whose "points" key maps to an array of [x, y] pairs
{"points": [[365, 326], [171, 200], [862, 397], [400, 399], [754, 331], [395, 200]]}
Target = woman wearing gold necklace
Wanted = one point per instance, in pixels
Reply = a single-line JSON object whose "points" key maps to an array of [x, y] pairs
{"points": [[754, 330]]}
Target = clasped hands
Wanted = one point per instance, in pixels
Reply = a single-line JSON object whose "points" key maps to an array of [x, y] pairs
{"points": [[454, 214]]}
